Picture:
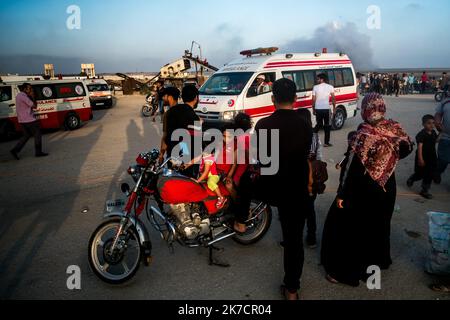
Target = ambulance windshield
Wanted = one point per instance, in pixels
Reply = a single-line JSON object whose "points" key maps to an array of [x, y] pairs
{"points": [[98, 87], [226, 83]]}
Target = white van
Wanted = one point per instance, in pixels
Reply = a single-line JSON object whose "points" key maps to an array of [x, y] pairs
{"points": [[235, 88], [99, 92], [61, 103]]}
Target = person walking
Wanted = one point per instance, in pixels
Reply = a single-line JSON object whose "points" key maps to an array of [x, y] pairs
{"points": [[356, 234], [396, 84], [405, 80], [159, 97], [442, 118], [444, 83], [424, 83], [426, 158], [411, 82], [288, 188], [363, 84], [321, 106], [25, 108]]}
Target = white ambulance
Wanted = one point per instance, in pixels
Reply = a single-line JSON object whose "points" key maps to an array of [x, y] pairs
{"points": [[99, 92], [61, 103], [245, 85]]}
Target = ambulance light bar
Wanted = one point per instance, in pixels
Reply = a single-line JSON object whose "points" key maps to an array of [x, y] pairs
{"points": [[261, 51]]}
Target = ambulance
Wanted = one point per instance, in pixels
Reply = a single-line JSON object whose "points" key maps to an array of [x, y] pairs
{"points": [[99, 92], [61, 103], [245, 85]]}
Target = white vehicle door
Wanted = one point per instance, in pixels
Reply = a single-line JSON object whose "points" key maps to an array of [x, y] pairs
{"points": [[258, 97], [7, 102]]}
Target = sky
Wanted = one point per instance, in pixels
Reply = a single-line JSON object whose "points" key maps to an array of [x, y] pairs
{"points": [[143, 35]]}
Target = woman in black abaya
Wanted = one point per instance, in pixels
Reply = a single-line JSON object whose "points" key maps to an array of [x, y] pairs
{"points": [[357, 230]]}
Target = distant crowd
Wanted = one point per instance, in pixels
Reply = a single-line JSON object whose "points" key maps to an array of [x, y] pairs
{"points": [[401, 84]]}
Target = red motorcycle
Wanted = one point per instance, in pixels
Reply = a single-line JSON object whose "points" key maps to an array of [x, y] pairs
{"points": [[179, 208]]}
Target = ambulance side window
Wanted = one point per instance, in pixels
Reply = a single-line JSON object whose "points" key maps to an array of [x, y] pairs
{"points": [[331, 77], [297, 77], [348, 77], [310, 80], [5, 93], [258, 88], [69, 90], [338, 78]]}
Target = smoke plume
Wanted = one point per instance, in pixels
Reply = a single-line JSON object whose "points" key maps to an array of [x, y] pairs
{"points": [[337, 38]]}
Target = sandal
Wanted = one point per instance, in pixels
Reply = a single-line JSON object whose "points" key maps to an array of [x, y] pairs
{"points": [[221, 202], [331, 279], [237, 230], [285, 291], [440, 288]]}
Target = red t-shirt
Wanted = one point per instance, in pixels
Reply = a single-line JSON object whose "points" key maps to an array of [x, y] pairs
{"points": [[225, 159], [243, 151]]}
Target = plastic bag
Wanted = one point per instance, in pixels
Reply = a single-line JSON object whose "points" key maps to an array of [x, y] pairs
{"points": [[439, 236]]}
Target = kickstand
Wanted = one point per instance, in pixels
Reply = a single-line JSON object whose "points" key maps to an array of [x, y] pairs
{"points": [[215, 262]]}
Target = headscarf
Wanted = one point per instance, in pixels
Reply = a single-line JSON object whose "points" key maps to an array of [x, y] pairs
{"points": [[377, 141]]}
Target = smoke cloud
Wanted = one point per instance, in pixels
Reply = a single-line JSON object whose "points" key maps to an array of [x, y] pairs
{"points": [[337, 38], [228, 43]]}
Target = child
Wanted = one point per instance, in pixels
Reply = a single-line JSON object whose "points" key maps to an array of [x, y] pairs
{"points": [[209, 173], [426, 158]]}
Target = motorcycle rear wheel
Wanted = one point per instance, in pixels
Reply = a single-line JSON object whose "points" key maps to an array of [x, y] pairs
{"points": [[103, 263], [257, 231]]}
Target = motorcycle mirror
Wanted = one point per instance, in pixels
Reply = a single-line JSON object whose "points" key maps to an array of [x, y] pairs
{"points": [[125, 187]]}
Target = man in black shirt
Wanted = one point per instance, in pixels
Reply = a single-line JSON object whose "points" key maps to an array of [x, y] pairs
{"points": [[288, 188], [160, 98], [181, 116]]}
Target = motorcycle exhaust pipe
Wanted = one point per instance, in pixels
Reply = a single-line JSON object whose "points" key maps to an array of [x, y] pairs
{"points": [[221, 238]]}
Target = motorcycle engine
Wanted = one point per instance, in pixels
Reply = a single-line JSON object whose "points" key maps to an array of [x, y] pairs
{"points": [[189, 221]]}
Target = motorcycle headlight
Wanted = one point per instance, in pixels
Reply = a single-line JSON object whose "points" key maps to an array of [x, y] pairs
{"points": [[134, 172]]}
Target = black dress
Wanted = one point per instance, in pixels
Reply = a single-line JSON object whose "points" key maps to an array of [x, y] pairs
{"points": [[358, 236]]}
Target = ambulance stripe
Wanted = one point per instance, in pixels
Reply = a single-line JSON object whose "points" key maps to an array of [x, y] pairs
{"points": [[268, 110], [306, 64]]}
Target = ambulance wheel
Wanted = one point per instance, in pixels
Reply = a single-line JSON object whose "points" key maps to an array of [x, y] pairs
{"points": [[339, 119], [72, 121], [7, 130]]}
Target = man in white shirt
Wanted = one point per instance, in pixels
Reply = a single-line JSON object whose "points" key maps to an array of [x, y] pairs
{"points": [[321, 106]]}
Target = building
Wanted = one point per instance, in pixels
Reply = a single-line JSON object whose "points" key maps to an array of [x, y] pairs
{"points": [[49, 70], [88, 69]]}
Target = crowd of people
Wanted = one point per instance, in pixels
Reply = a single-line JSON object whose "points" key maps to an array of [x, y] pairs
{"points": [[401, 84], [367, 171], [351, 241]]}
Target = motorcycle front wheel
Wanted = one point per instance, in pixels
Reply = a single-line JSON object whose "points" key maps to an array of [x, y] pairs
{"points": [[257, 226], [120, 265], [146, 111]]}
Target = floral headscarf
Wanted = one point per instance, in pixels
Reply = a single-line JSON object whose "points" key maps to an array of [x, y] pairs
{"points": [[377, 141]]}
